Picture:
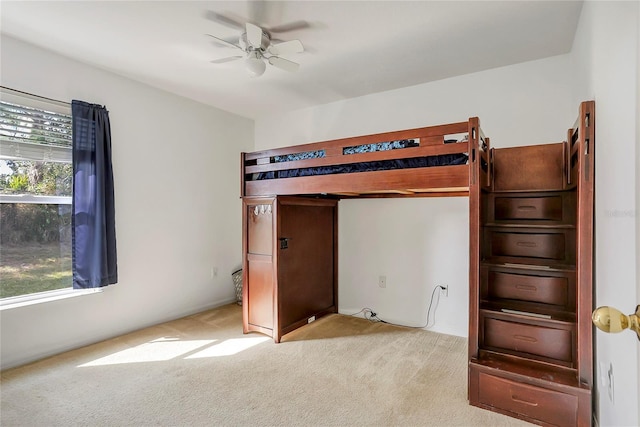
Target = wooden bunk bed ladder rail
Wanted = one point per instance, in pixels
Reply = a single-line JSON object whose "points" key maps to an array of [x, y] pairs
{"points": [[584, 226], [474, 235], [579, 143], [489, 154], [473, 150], [480, 149], [588, 110], [567, 160]]}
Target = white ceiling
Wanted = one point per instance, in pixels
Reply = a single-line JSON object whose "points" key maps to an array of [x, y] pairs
{"points": [[354, 48]]}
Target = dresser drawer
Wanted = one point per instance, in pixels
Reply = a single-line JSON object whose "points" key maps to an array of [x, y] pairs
{"points": [[532, 208], [546, 290], [547, 342], [547, 406], [531, 245]]}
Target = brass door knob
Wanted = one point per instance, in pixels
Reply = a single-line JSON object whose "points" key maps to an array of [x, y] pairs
{"points": [[609, 319]]}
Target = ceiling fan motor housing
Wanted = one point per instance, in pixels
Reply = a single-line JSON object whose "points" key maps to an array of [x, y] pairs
{"points": [[264, 43]]}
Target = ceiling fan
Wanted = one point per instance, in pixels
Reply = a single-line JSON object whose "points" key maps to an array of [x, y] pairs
{"points": [[258, 50]]}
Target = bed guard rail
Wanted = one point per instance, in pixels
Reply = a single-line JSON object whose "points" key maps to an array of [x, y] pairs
{"points": [[429, 141]]}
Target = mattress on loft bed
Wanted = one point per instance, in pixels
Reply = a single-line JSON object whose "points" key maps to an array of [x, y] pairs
{"points": [[416, 162]]}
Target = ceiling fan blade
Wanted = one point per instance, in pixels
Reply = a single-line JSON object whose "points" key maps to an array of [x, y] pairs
{"points": [[291, 26], [224, 20], [228, 40], [227, 59], [254, 35], [224, 42], [292, 46], [284, 64]]}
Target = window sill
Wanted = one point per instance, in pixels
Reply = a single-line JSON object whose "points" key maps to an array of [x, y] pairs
{"points": [[42, 297]]}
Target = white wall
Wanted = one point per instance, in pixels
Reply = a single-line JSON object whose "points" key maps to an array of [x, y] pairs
{"points": [[606, 50], [420, 243], [416, 245], [177, 201]]}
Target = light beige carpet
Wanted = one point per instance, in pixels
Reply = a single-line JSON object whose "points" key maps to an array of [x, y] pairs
{"points": [[202, 371]]}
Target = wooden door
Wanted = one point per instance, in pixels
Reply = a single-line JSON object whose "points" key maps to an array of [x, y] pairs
{"points": [[258, 287], [306, 259]]}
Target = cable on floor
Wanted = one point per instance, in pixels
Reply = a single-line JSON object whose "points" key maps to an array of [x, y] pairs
{"points": [[372, 316]]}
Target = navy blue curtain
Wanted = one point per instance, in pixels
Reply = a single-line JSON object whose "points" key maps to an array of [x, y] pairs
{"points": [[93, 221]]}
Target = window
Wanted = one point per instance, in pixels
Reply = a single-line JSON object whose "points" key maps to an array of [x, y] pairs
{"points": [[35, 194]]}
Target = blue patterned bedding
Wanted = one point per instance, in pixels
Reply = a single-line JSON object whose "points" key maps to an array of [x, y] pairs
{"points": [[417, 162]]}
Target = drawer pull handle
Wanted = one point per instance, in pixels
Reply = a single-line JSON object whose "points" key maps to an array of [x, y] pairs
{"points": [[520, 400], [528, 288], [527, 244], [527, 208], [525, 338]]}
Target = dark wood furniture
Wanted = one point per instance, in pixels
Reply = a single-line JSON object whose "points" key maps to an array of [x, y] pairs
{"points": [[530, 243], [530, 351], [290, 242], [290, 262], [414, 181]]}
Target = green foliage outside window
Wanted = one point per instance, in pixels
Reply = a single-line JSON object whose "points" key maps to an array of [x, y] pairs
{"points": [[35, 238], [38, 178]]}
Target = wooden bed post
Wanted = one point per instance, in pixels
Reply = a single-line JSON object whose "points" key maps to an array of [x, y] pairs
{"points": [[584, 232], [242, 175], [487, 183], [567, 159], [474, 232]]}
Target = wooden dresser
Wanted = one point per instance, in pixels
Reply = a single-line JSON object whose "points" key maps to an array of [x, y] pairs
{"points": [[530, 327], [290, 262]]}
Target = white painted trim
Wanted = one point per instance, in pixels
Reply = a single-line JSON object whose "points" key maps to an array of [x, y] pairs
{"points": [[35, 199], [42, 297]]}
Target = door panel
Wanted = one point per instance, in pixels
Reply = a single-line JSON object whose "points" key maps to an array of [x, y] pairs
{"points": [[305, 265], [260, 293]]}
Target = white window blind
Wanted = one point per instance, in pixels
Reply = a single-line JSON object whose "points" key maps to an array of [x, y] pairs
{"points": [[33, 128]]}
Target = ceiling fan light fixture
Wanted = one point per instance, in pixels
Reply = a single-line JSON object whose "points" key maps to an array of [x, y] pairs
{"points": [[256, 44], [255, 65]]}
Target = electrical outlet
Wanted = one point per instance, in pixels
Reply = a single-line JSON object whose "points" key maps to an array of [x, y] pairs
{"points": [[382, 281], [444, 290]]}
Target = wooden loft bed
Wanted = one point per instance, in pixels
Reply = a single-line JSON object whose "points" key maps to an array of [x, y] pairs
{"points": [[530, 248], [290, 209], [428, 161]]}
